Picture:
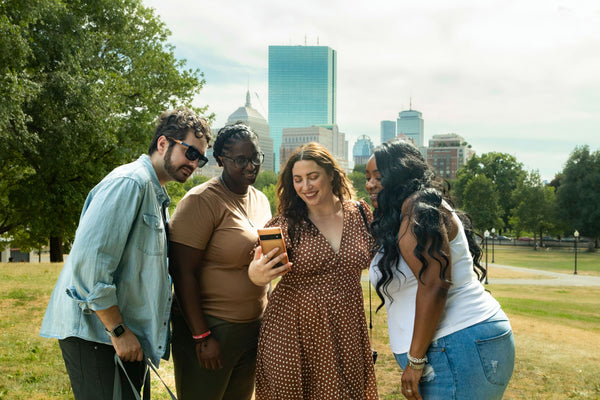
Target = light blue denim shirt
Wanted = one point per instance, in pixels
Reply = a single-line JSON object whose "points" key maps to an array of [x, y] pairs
{"points": [[119, 257]]}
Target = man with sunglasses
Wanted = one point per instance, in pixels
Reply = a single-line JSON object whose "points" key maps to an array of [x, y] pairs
{"points": [[113, 295]]}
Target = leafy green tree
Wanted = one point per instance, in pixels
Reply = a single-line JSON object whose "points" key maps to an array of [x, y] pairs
{"points": [[265, 178], [481, 202], [266, 182], [578, 193], [82, 83], [359, 180], [360, 168], [177, 190], [271, 192], [504, 172], [536, 206]]}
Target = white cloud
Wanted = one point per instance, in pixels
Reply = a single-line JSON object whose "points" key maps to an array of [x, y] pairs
{"points": [[492, 71]]}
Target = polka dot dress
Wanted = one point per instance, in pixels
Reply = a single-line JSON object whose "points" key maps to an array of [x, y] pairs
{"points": [[313, 341]]}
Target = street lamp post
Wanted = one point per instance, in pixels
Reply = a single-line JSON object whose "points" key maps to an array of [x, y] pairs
{"points": [[576, 234], [486, 234], [493, 231]]}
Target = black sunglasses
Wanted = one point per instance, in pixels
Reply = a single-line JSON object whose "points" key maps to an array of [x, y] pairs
{"points": [[192, 153], [241, 163]]}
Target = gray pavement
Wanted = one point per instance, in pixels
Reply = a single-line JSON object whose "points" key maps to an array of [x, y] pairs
{"points": [[550, 278]]}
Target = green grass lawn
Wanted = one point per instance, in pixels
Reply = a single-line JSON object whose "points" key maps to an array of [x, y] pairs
{"points": [[553, 259], [557, 332]]}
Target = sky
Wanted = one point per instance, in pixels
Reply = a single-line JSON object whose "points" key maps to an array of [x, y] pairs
{"points": [[519, 77]]}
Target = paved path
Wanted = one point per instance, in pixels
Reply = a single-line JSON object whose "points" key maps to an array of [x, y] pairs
{"points": [[550, 278]]}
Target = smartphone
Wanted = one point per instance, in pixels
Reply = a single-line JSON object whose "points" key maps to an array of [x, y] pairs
{"points": [[271, 238]]}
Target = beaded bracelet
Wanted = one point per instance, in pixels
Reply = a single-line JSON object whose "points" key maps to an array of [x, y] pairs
{"points": [[415, 366], [416, 361]]}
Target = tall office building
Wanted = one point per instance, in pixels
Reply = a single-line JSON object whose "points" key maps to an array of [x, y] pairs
{"points": [[410, 123], [302, 89], [388, 130], [327, 135], [447, 153], [362, 149]]}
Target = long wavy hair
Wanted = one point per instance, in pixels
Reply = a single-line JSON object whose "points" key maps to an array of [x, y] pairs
{"points": [[290, 204], [405, 174]]}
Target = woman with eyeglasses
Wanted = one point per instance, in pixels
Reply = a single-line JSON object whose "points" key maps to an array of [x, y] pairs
{"points": [[314, 343], [218, 309]]}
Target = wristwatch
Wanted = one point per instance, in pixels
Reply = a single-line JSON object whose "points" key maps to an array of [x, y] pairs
{"points": [[117, 330]]}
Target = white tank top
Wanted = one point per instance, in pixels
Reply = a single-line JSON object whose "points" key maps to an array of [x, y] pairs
{"points": [[467, 303]]}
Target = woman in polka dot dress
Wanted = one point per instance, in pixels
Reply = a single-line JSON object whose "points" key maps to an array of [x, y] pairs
{"points": [[313, 341]]}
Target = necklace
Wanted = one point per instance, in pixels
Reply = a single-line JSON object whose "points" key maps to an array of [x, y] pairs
{"points": [[237, 204]]}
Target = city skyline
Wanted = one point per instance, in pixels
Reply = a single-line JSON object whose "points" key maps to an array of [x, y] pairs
{"points": [[517, 77]]}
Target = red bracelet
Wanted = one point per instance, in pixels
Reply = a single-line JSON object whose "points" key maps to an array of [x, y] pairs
{"points": [[200, 337]]}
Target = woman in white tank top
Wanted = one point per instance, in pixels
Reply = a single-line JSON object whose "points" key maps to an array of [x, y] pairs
{"points": [[448, 334]]}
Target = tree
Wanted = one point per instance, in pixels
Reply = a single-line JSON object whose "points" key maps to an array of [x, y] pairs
{"points": [[271, 192], [535, 205], [578, 193], [85, 82], [481, 202], [177, 190], [266, 182], [264, 179], [359, 180], [360, 168], [504, 172]]}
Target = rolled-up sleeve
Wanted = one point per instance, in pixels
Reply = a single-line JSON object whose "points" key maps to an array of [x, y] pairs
{"points": [[102, 296], [106, 223]]}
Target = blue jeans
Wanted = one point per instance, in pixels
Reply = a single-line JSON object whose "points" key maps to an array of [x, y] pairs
{"points": [[473, 363]]}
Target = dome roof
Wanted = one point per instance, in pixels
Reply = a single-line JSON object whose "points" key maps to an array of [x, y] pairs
{"points": [[246, 113]]}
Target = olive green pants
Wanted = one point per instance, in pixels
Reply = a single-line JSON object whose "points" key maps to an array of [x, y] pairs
{"points": [[235, 381]]}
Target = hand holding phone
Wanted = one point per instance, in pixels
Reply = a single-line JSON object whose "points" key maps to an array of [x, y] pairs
{"points": [[271, 238]]}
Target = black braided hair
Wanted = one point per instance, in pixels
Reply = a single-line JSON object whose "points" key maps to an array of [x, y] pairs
{"points": [[229, 134]]}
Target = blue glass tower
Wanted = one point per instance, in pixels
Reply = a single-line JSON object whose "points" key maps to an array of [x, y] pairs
{"points": [[361, 152], [410, 123], [388, 130], [302, 89]]}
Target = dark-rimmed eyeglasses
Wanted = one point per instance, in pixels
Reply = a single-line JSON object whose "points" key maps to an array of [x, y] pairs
{"points": [[192, 153], [241, 163]]}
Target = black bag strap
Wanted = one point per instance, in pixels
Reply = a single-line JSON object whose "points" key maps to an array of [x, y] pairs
{"points": [[364, 216], [117, 383]]}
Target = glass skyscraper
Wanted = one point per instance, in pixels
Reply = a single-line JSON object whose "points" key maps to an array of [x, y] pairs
{"points": [[362, 150], [410, 123], [387, 130], [302, 89]]}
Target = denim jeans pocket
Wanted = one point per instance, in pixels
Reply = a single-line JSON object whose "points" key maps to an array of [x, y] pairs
{"points": [[497, 355]]}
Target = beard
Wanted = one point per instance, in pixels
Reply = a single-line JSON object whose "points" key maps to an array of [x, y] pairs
{"points": [[175, 172]]}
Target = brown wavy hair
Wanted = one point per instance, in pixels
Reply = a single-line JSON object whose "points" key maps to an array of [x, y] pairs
{"points": [[290, 204]]}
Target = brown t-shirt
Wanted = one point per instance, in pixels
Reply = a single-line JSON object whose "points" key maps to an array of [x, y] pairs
{"points": [[212, 218]]}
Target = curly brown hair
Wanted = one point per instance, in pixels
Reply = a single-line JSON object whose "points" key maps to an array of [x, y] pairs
{"points": [[177, 123], [290, 204]]}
